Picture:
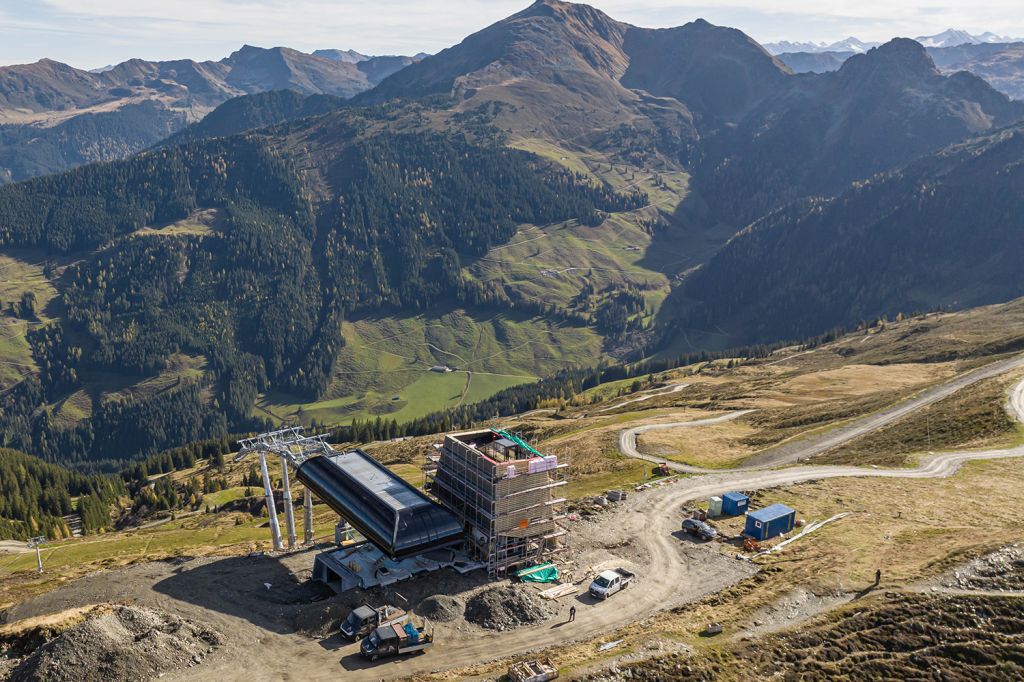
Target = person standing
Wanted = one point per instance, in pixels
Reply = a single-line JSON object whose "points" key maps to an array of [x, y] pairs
{"points": [[572, 613], [878, 577]]}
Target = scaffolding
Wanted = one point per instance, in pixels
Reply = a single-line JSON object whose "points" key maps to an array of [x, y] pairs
{"points": [[506, 494]]}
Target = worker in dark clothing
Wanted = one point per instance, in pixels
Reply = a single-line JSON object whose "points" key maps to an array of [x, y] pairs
{"points": [[878, 577], [572, 613]]}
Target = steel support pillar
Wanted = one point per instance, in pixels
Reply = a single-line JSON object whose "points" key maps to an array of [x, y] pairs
{"points": [[268, 491], [289, 508], [307, 509]]}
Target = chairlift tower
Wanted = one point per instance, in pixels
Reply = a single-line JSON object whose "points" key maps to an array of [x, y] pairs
{"points": [[293, 449], [37, 543]]}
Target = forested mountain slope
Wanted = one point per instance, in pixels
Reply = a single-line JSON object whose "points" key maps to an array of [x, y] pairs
{"points": [[249, 112], [263, 292], [34, 496], [947, 230], [824, 131], [520, 203]]}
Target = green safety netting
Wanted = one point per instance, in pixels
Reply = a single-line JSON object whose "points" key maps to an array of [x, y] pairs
{"points": [[517, 440], [544, 573]]}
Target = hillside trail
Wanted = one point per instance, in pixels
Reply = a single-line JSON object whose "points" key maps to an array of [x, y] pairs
{"points": [[805, 447], [646, 395]]}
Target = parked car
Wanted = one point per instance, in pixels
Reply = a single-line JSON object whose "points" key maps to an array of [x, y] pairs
{"points": [[700, 529]]}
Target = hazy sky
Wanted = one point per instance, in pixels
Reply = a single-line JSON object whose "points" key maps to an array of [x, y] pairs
{"points": [[92, 33]]}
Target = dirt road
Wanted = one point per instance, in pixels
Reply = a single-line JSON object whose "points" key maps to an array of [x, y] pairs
{"points": [[652, 518], [657, 524], [646, 395], [628, 446], [809, 446]]}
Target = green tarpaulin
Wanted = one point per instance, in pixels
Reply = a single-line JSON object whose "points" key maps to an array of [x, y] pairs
{"points": [[544, 573]]}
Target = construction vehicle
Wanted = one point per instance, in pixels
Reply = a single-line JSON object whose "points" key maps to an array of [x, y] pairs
{"points": [[609, 582], [395, 640], [533, 671], [364, 619]]}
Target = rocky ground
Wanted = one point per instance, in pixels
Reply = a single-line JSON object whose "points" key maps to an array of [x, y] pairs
{"points": [[122, 643], [1002, 570]]}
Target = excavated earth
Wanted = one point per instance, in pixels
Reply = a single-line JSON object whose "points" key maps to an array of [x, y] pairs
{"points": [[124, 643], [507, 607]]}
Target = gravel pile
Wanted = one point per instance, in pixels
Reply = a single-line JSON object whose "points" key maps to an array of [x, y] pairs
{"points": [[125, 643], [505, 608], [1000, 570], [441, 608]]}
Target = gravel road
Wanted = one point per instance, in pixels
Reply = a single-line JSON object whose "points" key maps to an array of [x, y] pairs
{"points": [[809, 446]]}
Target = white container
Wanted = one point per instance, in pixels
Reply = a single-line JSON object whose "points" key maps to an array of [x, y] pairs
{"points": [[715, 506]]}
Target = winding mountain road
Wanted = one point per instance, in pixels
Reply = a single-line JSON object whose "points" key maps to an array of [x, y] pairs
{"points": [[809, 446]]}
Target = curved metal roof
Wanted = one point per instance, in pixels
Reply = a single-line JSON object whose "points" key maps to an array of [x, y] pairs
{"points": [[396, 517]]}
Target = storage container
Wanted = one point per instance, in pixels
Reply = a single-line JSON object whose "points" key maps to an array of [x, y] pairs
{"points": [[769, 522], [735, 504]]}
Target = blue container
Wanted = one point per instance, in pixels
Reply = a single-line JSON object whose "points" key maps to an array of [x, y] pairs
{"points": [[771, 521], [735, 504]]}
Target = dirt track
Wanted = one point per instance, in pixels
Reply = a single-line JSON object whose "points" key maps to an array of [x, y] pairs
{"points": [[807, 447]]}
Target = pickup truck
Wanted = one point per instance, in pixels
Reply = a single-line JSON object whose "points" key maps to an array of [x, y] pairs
{"points": [[609, 582], [394, 640], [365, 619]]}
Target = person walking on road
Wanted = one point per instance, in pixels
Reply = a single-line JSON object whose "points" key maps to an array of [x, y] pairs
{"points": [[572, 613]]}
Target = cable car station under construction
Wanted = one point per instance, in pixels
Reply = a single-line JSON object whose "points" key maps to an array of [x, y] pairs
{"points": [[492, 501]]}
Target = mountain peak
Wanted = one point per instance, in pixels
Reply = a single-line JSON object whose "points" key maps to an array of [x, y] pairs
{"points": [[900, 58]]}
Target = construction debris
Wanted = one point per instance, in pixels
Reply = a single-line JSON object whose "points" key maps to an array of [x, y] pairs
{"points": [[533, 671], [506, 608]]}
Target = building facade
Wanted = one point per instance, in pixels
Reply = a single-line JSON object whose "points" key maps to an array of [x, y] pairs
{"points": [[508, 496]]}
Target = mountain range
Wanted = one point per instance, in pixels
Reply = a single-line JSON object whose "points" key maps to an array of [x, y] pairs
{"points": [[559, 188], [54, 117], [949, 38], [1001, 64]]}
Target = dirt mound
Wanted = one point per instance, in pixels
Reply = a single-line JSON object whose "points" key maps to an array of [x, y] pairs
{"points": [[505, 608], [125, 643], [1000, 570], [441, 608]]}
